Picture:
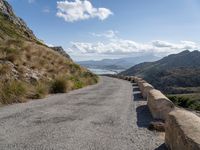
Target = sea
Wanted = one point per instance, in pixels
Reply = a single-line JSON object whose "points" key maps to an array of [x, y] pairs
{"points": [[104, 71]]}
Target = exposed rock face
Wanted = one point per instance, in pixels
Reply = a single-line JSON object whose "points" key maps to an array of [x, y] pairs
{"points": [[60, 50], [182, 130], [9, 69], [159, 104], [6, 10], [11, 72]]}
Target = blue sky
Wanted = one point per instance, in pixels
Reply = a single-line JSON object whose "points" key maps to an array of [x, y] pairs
{"points": [[122, 28]]}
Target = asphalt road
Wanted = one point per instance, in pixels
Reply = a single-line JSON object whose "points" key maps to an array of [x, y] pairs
{"points": [[100, 117]]}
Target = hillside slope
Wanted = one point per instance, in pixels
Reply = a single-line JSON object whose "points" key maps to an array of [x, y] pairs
{"points": [[29, 68], [177, 73]]}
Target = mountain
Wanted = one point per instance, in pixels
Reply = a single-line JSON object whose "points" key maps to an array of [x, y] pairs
{"points": [[12, 25], [60, 50], [118, 64], [176, 73], [31, 69]]}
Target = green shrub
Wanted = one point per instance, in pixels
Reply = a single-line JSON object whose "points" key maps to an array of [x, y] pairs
{"points": [[59, 85], [78, 84], [12, 92], [185, 102]]}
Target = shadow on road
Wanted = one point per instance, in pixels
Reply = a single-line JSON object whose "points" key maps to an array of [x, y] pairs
{"points": [[137, 96], [162, 147], [144, 116]]}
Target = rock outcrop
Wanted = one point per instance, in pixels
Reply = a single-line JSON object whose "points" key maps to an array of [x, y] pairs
{"points": [[157, 125], [182, 130], [7, 11], [60, 50]]}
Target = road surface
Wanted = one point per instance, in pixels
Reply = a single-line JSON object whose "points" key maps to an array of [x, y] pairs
{"points": [[100, 117]]}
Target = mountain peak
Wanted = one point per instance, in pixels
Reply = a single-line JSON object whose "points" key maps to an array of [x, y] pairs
{"points": [[7, 11], [185, 51]]}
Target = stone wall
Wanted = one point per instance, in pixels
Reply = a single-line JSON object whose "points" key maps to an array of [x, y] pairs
{"points": [[145, 88], [182, 128], [159, 104]]}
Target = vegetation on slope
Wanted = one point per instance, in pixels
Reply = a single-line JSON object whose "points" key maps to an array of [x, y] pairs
{"points": [[30, 69], [191, 101], [174, 74]]}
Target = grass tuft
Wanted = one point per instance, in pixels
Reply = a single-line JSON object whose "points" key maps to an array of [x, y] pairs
{"points": [[59, 85], [40, 90], [12, 92]]}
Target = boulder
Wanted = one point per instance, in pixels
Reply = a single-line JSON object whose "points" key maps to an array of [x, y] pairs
{"points": [[158, 125], [159, 104], [182, 130]]}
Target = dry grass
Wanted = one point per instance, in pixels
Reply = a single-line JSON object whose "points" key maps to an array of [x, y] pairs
{"points": [[58, 73], [24, 54], [12, 92], [40, 90]]}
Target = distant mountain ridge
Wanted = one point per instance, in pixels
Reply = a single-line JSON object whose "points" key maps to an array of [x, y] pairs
{"points": [[172, 74], [121, 63]]}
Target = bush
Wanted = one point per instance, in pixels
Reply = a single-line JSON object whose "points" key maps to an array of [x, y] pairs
{"points": [[185, 102], [40, 91], [78, 84], [59, 85], [12, 92]]}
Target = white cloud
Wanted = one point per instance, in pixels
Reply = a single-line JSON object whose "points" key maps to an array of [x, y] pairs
{"points": [[107, 34], [80, 10], [120, 46]]}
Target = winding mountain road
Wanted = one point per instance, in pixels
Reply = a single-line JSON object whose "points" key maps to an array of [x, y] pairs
{"points": [[106, 116]]}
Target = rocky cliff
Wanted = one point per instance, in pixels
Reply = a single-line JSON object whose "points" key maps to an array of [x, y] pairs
{"points": [[7, 11], [60, 50]]}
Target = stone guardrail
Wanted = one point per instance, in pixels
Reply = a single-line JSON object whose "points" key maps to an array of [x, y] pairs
{"points": [[159, 105], [182, 127], [182, 131]]}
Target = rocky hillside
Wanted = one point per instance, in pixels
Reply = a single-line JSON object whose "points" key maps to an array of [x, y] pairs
{"points": [[177, 73], [7, 12], [29, 68]]}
